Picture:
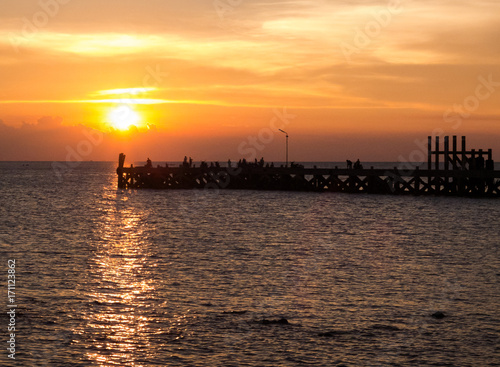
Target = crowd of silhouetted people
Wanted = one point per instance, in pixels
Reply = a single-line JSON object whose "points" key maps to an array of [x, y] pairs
{"points": [[357, 164], [476, 163], [242, 163]]}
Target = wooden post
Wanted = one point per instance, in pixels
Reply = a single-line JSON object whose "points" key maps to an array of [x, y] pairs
{"points": [[437, 178], [121, 160], [416, 175], [454, 161], [490, 166], [454, 164], [436, 153], [132, 176], [446, 162], [464, 153], [429, 163], [446, 152], [119, 171], [472, 166], [429, 153]]}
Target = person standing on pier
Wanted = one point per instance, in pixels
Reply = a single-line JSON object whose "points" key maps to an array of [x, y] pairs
{"points": [[357, 165]]}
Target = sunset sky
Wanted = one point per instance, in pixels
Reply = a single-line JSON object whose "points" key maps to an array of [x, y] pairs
{"points": [[216, 79]]}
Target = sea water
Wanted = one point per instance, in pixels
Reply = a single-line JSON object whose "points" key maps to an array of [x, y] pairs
{"points": [[108, 277]]}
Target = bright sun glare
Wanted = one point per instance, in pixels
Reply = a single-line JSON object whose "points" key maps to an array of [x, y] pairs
{"points": [[123, 117]]}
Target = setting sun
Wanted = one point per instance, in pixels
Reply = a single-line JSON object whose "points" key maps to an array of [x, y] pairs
{"points": [[123, 117]]}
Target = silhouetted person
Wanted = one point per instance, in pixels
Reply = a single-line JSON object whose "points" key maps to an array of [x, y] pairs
{"points": [[229, 163], [349, 164], [190, 161], [149, 163], [357, 165]]}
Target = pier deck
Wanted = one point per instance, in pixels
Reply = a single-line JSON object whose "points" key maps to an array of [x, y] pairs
{"points": [[378, 181]]}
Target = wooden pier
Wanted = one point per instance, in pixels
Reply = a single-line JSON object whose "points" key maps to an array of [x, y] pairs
{"points": [[449, 171]]}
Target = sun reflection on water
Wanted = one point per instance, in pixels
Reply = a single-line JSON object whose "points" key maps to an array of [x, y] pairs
{"points": [[121, 286]]}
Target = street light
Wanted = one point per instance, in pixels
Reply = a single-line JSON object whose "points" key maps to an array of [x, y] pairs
{"points": [[284, 132]]}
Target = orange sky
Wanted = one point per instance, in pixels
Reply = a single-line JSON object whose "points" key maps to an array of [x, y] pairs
{"points": [[216, 79]]}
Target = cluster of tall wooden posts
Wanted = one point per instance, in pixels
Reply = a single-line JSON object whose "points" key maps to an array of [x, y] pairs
{"points": [[449, 172]]}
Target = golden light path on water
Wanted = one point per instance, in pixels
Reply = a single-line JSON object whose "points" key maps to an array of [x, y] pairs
{"points": [[122, 288], [123, 315]]}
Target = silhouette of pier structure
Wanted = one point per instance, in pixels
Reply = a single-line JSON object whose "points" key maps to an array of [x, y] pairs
{"points": [[449, 172]]}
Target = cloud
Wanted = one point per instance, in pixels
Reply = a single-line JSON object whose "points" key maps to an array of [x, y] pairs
{"points": [[43, 141]]}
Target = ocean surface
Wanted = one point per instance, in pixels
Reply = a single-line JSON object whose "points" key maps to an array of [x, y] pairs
{"points": [[107, 277]]}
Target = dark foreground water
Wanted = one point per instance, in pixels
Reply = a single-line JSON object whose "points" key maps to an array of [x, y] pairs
{"points": [[206, 278]]}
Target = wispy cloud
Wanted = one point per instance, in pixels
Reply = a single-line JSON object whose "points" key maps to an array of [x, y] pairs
{"points": [[125, 91]]}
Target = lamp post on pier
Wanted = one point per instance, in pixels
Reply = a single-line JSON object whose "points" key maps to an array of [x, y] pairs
{"points": [[284, 132]]}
